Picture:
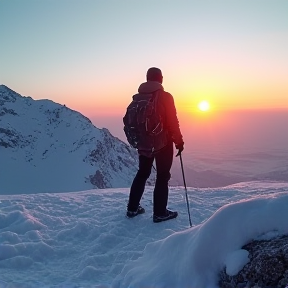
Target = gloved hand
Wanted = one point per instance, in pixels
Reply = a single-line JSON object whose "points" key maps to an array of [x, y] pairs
{"points": [[180, 148]]}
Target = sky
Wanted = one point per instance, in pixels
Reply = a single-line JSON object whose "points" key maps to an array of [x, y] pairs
{"points": [[92, 55], [83, 239]]}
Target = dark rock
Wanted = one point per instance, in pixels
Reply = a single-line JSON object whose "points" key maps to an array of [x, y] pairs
{"points": [[268, 266], [7, 111], [98, 180]]}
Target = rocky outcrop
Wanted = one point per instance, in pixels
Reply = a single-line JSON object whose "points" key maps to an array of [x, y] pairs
{"points": [[267, 268]]}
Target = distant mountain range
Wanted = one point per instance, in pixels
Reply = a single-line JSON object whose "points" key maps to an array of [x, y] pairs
{"points": [[47, 147]]}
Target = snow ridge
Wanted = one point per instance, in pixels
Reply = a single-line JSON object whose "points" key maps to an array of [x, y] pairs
{"points": [[210, 246]]}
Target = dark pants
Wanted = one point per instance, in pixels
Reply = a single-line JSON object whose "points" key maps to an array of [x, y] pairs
{"points": [[163, 161]]}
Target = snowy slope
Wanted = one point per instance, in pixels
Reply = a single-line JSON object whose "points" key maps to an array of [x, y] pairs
{"points": [[83, 239], [47, 147]]}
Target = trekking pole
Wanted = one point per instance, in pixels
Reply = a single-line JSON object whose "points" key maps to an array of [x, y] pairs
{"points": [[187, 201]]}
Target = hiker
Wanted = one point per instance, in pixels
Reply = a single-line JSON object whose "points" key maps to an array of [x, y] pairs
{"points": [[163, 157]]}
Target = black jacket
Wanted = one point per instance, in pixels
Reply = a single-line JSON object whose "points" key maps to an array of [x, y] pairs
{"points": [[166, 109]]}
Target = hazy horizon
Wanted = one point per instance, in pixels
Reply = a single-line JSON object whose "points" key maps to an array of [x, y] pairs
{"points": [[239, 146], [261, 128]]}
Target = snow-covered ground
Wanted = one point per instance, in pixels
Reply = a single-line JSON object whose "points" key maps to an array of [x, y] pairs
{"points": [[83, 239]]}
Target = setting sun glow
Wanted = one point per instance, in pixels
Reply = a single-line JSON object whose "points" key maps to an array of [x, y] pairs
{"points": [[203, 106]]}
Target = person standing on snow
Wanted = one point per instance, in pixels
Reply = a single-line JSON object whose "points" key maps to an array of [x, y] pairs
{"points": [[163, 157]]}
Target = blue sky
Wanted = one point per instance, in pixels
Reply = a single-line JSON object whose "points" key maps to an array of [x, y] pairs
{"points": [[91, 55]]}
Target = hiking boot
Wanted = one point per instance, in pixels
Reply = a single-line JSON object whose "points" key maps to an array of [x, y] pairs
{"points": [[131, 214], [169, 215]]}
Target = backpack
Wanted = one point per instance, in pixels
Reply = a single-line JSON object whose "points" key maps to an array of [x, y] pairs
{"points": [[143, 124]]}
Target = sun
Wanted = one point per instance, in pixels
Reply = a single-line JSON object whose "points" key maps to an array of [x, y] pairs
{"points": [[203, 106]]}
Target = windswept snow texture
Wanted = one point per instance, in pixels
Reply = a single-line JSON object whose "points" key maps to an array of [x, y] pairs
{"points": [[83, 239]]}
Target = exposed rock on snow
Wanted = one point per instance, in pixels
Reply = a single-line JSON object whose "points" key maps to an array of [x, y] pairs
{"points": [[268, 265], [51, 148]]}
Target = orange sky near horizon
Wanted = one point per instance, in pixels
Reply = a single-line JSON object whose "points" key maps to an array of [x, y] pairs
{"points": [[226, 85], [115, 100], [93, 55]]}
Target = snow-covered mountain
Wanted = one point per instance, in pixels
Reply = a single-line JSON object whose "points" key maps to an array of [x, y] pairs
{"points": [[47, 147]]}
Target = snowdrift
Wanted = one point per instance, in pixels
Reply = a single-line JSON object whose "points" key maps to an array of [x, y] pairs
{"points": [[83, 239]]}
